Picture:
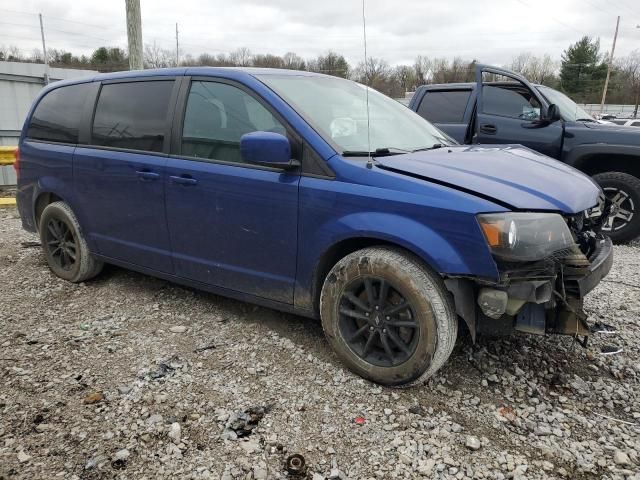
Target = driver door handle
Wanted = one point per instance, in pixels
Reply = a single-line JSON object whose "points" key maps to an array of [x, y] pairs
{"points": [[488, 129]]}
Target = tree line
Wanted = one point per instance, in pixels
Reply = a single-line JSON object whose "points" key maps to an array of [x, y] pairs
{"points": [[580, 72]]}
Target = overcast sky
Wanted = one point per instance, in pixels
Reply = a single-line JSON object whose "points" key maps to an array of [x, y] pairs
{"points": [[490, 31]]}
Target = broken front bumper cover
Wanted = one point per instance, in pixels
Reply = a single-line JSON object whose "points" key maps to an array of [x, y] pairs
{"points": [[601, 263], [545, 297]]}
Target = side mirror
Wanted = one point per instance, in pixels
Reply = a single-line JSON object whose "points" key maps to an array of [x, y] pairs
{"points": [[266, 148], [553, 113]]}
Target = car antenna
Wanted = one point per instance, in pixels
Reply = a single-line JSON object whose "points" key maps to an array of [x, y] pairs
{"points": [[366, 86]]}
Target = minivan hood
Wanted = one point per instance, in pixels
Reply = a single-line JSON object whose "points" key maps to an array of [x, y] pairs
{"points": [[511, 175]]}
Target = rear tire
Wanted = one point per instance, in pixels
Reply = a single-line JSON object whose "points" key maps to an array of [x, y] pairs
{"points": [[64, 245], [624, 189], [372, 333]]}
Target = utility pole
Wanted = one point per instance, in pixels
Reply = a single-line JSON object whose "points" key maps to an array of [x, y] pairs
{"points": [[44, 52], [606, 81], [177, 48], [134, 34]]}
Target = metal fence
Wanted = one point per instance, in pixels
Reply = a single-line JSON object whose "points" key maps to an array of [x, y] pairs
{"points": [[620, 111]]}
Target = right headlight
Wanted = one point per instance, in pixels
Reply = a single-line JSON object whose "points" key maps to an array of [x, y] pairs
{"points": [[525, 236]]}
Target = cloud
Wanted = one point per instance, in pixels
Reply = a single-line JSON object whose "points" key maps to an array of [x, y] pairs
{"points": [[491, 32]]}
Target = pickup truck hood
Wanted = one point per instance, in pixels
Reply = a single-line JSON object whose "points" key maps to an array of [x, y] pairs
{"points": [[511, 175], [611, 134]]}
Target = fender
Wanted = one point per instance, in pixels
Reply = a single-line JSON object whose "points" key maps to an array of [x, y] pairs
{"points": [[63, 190], [445, 255], [578, 154]]}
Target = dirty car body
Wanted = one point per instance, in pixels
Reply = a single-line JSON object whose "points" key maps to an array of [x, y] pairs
{"points": [[261, 185]]}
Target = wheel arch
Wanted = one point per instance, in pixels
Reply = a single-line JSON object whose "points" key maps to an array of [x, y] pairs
{"points": [[340, 249], [605, 158], [42, 200]]}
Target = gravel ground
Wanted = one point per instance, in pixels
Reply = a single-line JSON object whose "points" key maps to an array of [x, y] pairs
{"points": [[128, 376]]}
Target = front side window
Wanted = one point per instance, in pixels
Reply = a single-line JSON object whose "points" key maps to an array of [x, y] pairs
{"points": [[337, 109], [57, 116], [445, 106], [510, 100], [132, 115], [216, 117], [569, 110]]}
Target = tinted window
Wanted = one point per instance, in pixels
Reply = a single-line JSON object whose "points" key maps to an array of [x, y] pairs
{"points": [[510, 101], [57, 116], [132, 115], [635, 124], [217, 115], [444, 107]]}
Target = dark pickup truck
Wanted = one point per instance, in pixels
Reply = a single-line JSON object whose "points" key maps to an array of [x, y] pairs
{"points": [[502, 107]]}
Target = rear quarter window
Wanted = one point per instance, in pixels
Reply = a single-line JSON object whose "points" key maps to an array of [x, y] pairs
{"points": [[58, 115], [444, 106], [132, 115]]}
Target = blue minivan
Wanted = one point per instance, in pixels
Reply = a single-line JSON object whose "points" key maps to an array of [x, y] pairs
{"points": [[314, 195]]}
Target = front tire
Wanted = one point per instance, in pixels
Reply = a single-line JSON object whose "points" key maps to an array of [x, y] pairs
{"points": [[623, 190], [64, 246], [389, 318]]}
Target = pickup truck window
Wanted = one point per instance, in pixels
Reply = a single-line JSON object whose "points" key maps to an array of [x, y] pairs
{"points": [[569, 110], [447, 106], [508, 101], [337, 110]]}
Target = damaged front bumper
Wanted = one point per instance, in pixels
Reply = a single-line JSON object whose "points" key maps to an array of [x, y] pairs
{"points": [[543, 297]]}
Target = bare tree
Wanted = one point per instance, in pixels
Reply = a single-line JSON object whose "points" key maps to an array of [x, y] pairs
{"points": [[423, 69], [292, 61], [241, 57], [405, 77], [331, 63], [629, 68], [268, 61], [536, 69], [157, 57]]}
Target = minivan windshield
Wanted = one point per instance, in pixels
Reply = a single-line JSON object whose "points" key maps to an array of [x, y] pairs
{"points": [[337, 109], [569, 110]]}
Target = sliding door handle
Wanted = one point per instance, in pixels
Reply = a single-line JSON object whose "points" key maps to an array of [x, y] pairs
{"points": [[183, 180]]}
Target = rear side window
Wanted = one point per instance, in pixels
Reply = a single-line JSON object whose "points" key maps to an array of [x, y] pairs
{"points": [[635, 124], [57, 116], [132, 115], [444, 107]]}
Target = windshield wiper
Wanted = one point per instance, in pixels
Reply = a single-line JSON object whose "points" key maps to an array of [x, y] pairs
{"points": [[379, 152], [432, 147], [586, 120]]}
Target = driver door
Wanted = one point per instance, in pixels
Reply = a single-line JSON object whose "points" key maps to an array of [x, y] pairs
{"points": [[509, 111]]}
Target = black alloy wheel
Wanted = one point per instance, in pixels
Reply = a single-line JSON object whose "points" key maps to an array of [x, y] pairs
{"points": [[61, 244], [377, 322]]}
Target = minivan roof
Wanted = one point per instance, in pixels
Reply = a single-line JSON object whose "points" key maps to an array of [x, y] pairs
{"points": [[230, 72]]}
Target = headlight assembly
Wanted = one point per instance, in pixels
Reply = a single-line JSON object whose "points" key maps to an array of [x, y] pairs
{"points": [[525, 236]]}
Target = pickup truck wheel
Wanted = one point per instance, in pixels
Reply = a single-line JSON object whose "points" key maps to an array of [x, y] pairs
{"points": [[389, 318], [623, 190], [64, 246]]}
